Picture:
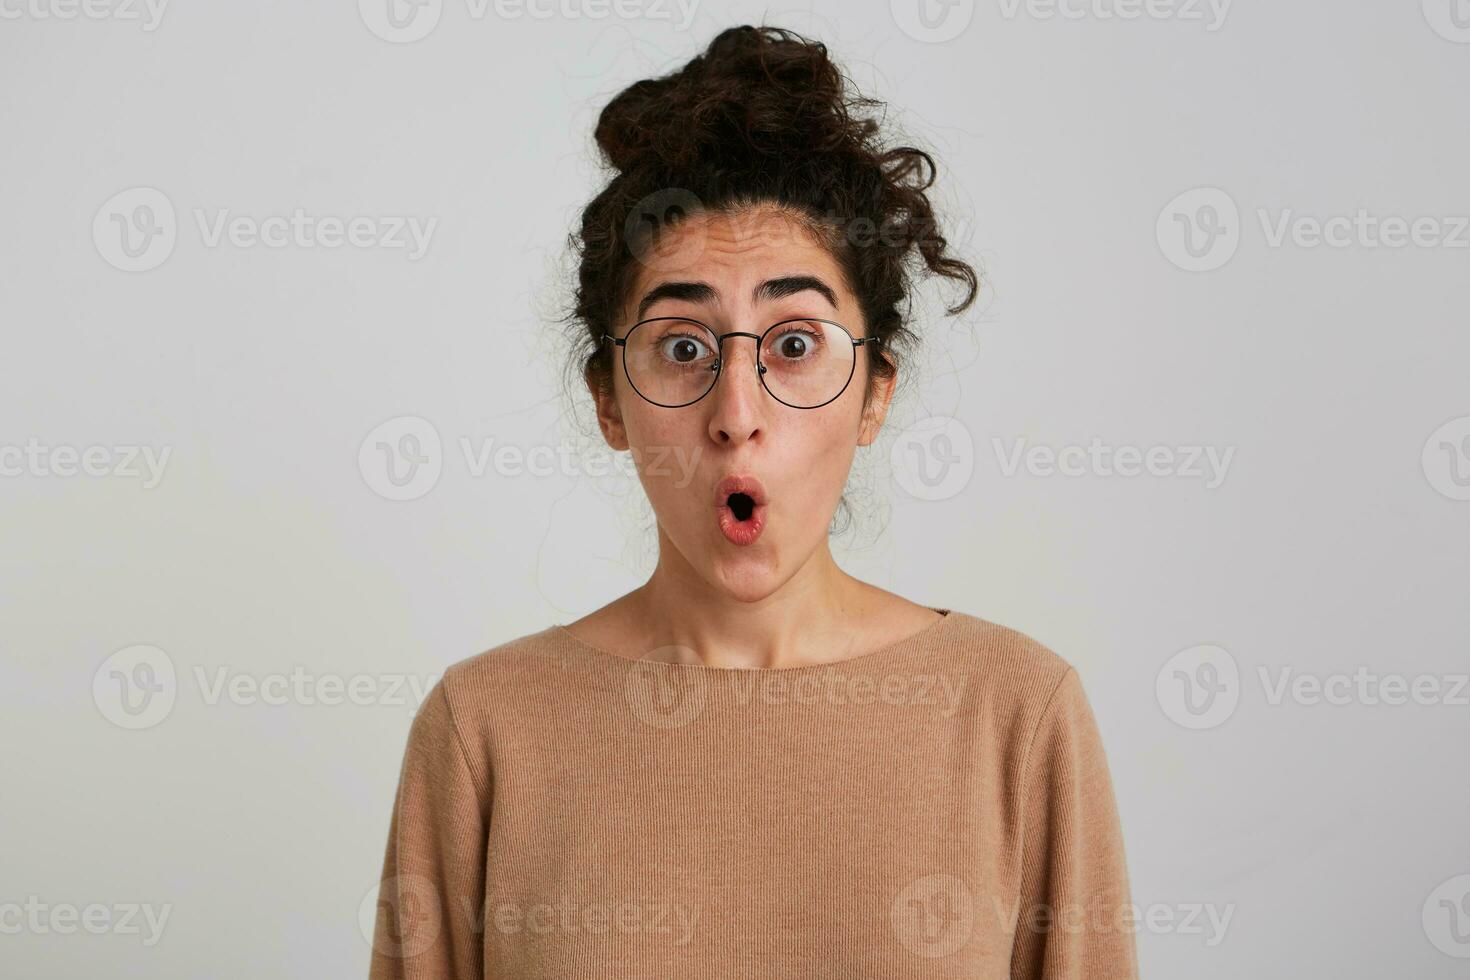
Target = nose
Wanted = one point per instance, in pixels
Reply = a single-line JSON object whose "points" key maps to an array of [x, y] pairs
{"points": [[739, 400]]}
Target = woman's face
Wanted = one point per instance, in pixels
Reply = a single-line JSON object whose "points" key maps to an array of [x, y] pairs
{"points": [[742, 272]]}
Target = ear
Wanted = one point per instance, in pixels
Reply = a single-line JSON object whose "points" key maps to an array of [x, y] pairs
{"points": [[876, 409], [609, 415]]}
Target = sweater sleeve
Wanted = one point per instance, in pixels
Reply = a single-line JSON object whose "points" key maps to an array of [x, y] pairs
{"points": [[1076, 920], [430, 919]]}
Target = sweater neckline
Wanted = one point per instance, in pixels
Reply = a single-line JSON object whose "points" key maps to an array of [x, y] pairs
{"points": [[948, 619]]}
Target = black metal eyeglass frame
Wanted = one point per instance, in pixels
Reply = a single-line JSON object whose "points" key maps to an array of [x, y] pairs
{"points": [[759, 342]]}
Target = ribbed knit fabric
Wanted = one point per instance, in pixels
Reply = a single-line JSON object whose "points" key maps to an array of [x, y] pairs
{"points": [[939, 808]]}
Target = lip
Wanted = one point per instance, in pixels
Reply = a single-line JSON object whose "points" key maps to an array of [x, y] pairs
{"points": [[740, 483], [738, 532]]}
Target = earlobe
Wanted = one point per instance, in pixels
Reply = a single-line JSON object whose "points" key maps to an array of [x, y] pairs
{"points": [[872, 424], [877, 410], [609, 418], [614, 433]]}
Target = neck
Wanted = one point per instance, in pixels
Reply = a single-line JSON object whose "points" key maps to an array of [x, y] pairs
{"points": [[808, 619]]}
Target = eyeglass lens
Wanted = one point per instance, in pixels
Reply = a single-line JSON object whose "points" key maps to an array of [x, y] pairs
{"points": [[674, 362]]}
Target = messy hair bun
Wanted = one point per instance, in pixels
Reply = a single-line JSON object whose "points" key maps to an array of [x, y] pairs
{"points": [[762, 115], [752, 94]]}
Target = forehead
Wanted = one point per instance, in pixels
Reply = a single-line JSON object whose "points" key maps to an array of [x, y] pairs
{"points": [[733, 252]]}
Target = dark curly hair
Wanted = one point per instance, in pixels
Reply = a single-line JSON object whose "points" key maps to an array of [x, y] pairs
{"points": [[762, 116]]}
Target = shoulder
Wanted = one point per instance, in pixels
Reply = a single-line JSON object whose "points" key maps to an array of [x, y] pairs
{"points": [[1008, 657], [495, 687], [497, 671], [1012, 679]]}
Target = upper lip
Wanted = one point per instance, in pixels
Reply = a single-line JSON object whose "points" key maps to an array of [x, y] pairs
{"points": [[747, 485]]}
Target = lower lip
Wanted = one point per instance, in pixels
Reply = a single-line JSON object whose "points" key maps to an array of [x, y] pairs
{"points": [[740, 532]]}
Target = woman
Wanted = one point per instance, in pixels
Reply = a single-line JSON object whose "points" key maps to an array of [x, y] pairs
{"points": [[754, 765]]}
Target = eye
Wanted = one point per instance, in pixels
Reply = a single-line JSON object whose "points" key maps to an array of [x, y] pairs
{"points": [[798, 341], [684, 348]]}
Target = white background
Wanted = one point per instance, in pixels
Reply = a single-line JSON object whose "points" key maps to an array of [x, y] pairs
{"points": [[1337, 539]]}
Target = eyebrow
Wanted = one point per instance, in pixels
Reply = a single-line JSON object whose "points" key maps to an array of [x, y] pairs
{"points": [[703, 292]]}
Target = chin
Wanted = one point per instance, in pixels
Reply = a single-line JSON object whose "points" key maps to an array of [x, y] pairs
{"points": [[745, 575]]}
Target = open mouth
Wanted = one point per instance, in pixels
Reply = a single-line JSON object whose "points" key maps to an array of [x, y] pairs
{"points": [[740, 503]]}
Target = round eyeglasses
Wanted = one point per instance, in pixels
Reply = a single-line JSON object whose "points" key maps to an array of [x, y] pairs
{"points": [[804, 362]]}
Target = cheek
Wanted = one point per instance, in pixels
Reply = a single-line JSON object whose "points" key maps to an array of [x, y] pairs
{"points": [[821, 451], [666, 446]]}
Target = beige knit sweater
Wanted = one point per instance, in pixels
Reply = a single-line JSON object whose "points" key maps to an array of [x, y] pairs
{"points": [[939, 808]]}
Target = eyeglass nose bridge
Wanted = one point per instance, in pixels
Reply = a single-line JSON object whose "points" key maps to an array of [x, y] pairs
{"points": [[720, 360]]}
